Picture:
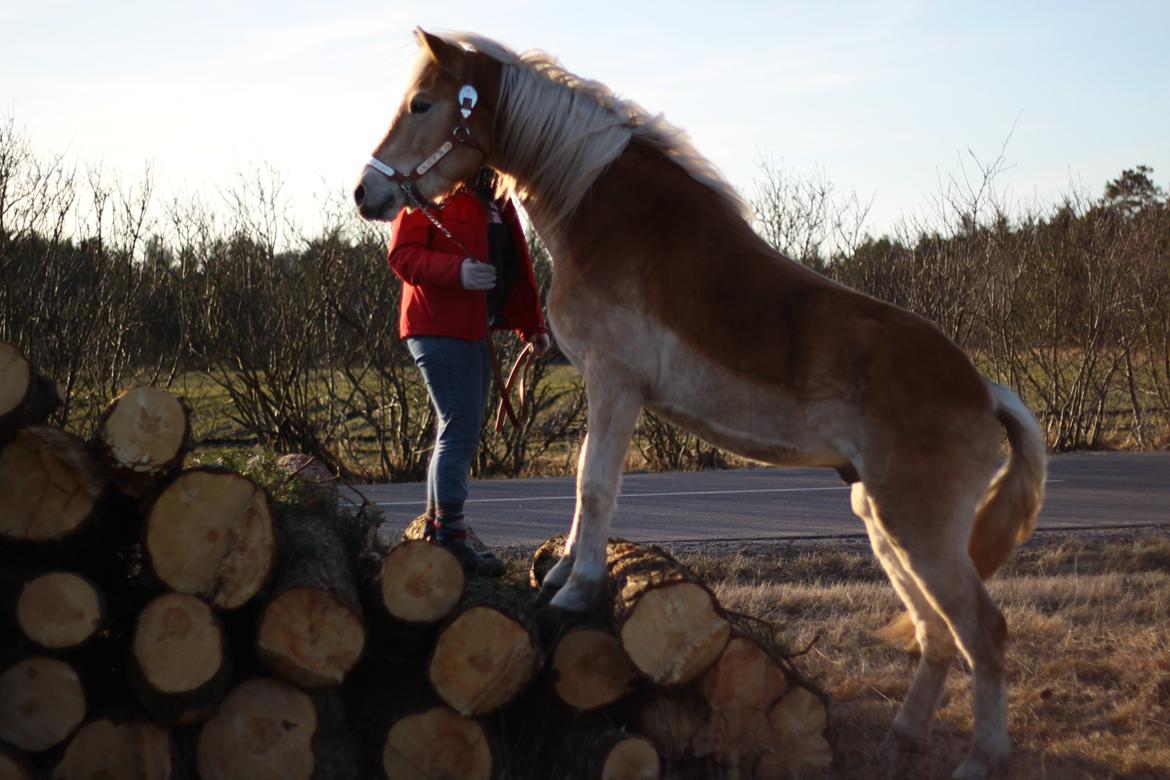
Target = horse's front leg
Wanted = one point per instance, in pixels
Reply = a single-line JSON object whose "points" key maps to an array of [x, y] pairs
{"points": [[613, 411]]}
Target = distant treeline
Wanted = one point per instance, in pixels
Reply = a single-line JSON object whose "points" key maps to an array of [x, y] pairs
{"points": [[296, 348]]}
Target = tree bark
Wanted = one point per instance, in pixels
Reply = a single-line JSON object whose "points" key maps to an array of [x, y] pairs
{"points": [[487, 652], [50, 485], [181, 666], [112, 750], [311, 631], [26, 397], [41, 703], [143, 436], [211, 533], [58, 610]]}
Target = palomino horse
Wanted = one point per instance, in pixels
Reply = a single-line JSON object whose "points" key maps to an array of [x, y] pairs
{"points": [[665, 298]]}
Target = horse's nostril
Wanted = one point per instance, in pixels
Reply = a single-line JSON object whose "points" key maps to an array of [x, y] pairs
{"points": [[359, 194]]}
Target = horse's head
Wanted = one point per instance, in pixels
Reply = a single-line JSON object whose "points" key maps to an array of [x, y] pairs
{"points": [[441, 135]]}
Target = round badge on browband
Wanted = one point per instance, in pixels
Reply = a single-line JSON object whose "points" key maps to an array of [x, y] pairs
{"points": [[468, 97]]}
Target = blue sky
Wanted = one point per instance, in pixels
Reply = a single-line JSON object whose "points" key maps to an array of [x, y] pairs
{"points": [[883, 98]]}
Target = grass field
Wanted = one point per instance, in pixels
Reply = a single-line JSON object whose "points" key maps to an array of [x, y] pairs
{"points": [[1088, 657]]}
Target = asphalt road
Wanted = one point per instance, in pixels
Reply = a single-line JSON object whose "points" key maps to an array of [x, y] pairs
{"points": [[1085, 490]]}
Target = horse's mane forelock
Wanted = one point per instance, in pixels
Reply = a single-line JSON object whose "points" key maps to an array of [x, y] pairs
{"points": [[563, 130]]}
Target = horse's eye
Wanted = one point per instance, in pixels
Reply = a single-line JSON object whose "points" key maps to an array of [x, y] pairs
{"points": [[419, 106]]}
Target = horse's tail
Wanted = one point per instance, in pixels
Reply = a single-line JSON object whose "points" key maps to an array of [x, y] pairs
{"points": [[1007, 514]]}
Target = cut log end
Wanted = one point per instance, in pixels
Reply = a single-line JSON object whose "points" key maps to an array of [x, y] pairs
{"points": [[211, 533], [263, 731], [437, 743], [420, 582], [178, 644], [482, 660], [590, 668], [41, 703], [49, 484], [674, 631], [632, 758], [59, 610], [741, 688], [145, 431], [15, 375], [796, 737], [118, 751], [14, 767], [310, 638]]}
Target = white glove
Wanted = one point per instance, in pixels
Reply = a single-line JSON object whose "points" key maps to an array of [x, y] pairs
{"points": [[477, 276]]}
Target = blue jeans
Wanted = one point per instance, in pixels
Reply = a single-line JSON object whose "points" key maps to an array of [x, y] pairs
{"points": [[457, 374]]}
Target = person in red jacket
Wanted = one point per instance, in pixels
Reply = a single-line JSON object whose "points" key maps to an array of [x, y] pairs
{"points": [[449, 302]]}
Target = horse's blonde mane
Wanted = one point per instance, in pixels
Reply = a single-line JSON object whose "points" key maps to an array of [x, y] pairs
{"points": [[559, 131]]}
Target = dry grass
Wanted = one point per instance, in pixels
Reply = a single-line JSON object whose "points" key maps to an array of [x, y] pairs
{"points": [[1089, 658]]}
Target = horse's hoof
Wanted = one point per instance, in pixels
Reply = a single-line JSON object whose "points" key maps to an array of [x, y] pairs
{"points": [[983, 762], [573, 597], [557, 576]]}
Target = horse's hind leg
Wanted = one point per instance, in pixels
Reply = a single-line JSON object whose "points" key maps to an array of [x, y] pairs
{"points": [[934, 637], [930, 540], [613, 411]]}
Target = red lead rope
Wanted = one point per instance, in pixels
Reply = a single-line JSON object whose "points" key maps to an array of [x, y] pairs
{"points": [[525, 360]]}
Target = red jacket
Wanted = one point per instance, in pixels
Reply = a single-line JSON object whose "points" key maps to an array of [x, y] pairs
{"points": [[434, 302]]}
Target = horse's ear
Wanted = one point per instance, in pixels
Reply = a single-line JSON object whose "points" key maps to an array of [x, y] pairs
{"points": [[448, 56]]}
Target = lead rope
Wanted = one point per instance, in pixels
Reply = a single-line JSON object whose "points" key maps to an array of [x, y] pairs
{"points": [[527, 356]]}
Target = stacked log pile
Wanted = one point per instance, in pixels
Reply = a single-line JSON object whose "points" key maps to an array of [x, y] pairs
{"points": [[165, 619]]}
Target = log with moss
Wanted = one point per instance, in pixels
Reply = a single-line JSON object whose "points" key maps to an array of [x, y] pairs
{"points": [[180, 662], [50, 485], [26, 397], [670, 624], [143, 436], [311, 629], [211, 533]]}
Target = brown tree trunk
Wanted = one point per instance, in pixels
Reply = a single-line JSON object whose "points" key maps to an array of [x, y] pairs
{"points": [[113, 750], [41, 703], [26, 397], [50, 485], [59, 610], [143, 436], [311, 630], [211, 533], [487, 652], [180, 659]]}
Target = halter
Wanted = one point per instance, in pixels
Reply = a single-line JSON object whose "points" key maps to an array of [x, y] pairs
{"points": [[461, 134]]}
